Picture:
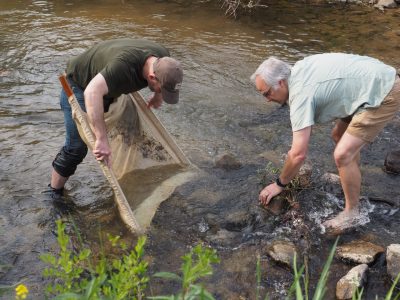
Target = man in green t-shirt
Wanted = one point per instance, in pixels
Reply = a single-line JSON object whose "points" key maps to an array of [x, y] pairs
{"points": [[361, 93], [97, 77]]}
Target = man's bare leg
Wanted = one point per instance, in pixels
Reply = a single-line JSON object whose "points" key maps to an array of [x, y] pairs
{"points": [[347, 153], [57, 181], [337, 132]]}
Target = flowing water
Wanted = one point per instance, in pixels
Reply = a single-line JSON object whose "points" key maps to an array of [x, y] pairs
{"points": [[219, 112]]}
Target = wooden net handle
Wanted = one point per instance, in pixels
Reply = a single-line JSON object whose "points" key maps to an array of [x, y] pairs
{"points": [[65, 85]]}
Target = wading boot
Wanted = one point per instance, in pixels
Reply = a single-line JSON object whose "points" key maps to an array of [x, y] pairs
{"points": [[60, 203], [54, 194]]}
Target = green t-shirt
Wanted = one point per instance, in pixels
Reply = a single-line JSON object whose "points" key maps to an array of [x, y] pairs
{"points": [[120, 61], [329, 86]]}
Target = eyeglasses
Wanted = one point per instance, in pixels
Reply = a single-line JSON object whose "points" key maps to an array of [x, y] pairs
{"points": [[267, 93]]}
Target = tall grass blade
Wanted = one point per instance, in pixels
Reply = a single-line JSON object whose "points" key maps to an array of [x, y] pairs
{"points": [[306, 278], [258, 277], [321, 286], [357, 294], [390, 293], [296, 286]]}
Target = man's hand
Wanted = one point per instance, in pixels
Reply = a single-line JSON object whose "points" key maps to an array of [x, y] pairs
{"points": [[268, 193], [155, 101], [102, 151]]}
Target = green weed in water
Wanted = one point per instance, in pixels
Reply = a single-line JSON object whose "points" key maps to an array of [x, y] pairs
{"points": [[196, 265], [75, 278]]}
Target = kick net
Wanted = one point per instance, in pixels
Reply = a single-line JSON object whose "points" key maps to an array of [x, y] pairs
{"points": [[147, 164]]}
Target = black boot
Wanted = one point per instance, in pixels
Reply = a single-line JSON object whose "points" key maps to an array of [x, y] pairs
{"points": [[55, 194]]}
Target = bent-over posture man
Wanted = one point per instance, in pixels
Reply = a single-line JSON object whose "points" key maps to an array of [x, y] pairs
{"points": [[97, 77], [361, 93]]}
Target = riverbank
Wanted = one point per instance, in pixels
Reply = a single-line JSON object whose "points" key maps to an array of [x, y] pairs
{"points": [[234, 8]]}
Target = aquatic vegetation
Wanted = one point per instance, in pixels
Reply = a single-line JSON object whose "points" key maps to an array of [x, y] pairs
{"points": [[302, 292], [196, 265], [391, 290], [76, 277]]}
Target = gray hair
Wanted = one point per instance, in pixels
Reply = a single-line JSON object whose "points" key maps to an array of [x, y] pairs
{"points": [[271, 71]]}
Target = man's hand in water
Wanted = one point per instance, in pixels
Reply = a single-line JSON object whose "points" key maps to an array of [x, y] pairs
{"points": [[268, 193]]}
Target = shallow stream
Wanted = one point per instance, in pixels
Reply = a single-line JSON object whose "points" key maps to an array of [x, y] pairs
{"points": [[219, 112]]}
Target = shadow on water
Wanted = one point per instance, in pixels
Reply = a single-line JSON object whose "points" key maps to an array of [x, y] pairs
{"points": [[219, 112]]}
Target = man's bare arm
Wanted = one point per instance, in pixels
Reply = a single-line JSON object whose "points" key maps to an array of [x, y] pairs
{"points": [[94, 93], [293, 163]]}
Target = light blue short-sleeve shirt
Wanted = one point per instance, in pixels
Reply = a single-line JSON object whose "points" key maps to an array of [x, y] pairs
{"points": [[329, 86]]}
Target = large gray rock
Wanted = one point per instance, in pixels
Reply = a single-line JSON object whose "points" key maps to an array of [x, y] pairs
{"points": [[354, 279], [360, 252], [393, 260], [392, 162]]}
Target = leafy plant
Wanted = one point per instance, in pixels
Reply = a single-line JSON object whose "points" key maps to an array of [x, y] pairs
{"points": [[196, 265], [67, 267], [77, 278], [110, 278]]}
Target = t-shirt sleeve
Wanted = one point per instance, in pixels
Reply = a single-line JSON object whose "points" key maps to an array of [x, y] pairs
{"points": [[301, 112], [116, 73]]}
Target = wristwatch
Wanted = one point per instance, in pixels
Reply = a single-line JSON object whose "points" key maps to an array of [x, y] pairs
{"points": [[279, 183]]}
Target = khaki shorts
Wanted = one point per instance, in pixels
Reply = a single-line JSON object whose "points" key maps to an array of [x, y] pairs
{"points": [[367, 124]]}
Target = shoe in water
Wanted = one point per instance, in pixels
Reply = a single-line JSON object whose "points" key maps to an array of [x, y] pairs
{"points": [[55, 194]]}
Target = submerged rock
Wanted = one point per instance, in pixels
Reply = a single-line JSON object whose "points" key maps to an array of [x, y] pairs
{"points": [[227, 162], [354, 279], [392, 162], [283, 252], [278, 205], [222, 237], [393, 260], [361, 252], [237, 220]]}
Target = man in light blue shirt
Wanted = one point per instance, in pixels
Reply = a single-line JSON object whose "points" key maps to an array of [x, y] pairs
{"points": [[361, 93]]}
